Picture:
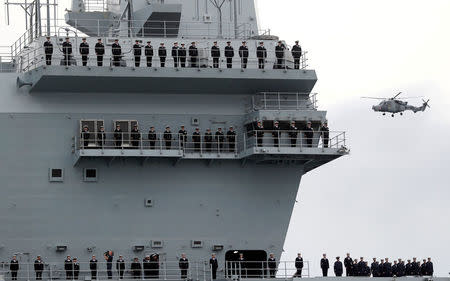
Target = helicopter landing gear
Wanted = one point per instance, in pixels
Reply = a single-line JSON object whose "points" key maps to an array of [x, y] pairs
{"points": [[401, 113], [384, 114], [392, 115]]}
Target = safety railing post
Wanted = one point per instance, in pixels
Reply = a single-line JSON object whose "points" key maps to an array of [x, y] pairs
{"points": [[98, 28], [285, 271], [160, 143], [262, 270], [279, 100], [165, 33], [265, 101], [296, 98], [165, 271]]}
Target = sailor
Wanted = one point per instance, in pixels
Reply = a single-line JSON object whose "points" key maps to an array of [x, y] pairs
{"points": [[84, 51], [76, 268], [154, 266], [355, 268], [374, 268], [298, 265], [168, 138], [85, 135], [184, 266], [48, 49], [231, 138], [146, 266], [196, 139], [162, 53], [338, 269], [347, 261], [261, 54], [182, 53], [38, 267], [175, 55], [116, 50], [99, 51], [279, 53], [101, 137], [272, 265], [242, 266], [415, 267], [93, 267], [152, 137], [67, 51], [243, 54], [182, 136], [381, 269], [220, 139], [208, 138], [296, 54], [423, 268], [259, 133], [137, 52], [309, 134], [366, 269], [193, 53], [400, 268], [229, 54], [215, 54], [293, 133], [109, 255], [324, 265], [213, 265], [136, 268], [68, 267], [430, 268], [118, 135], [135, 136], [276, 134], [325, 134], [395, 269], [149, 53], [408, 268], [387, 268], [361, 266], [120, 266]]}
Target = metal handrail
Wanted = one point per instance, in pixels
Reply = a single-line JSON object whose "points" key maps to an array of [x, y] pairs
{"points": [[281, 100]]}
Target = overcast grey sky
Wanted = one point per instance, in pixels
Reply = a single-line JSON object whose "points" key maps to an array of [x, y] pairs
{"points": [[390, 197]]}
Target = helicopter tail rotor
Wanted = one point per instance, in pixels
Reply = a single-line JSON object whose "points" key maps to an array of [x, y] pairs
{"points": [[425, 105]]}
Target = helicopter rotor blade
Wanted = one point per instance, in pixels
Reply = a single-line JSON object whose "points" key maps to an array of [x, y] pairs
{"points": [[373, 98], [397, 95], [426, 103], [407, 98]]}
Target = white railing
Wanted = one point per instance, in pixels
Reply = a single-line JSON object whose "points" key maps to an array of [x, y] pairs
{"points": [[284, 101]]}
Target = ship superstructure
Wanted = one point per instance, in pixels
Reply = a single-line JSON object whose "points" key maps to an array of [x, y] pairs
{"points": [[68, 192]]}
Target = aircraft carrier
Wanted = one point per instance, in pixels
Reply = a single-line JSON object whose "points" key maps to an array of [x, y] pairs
{"points": [[65, 192]]}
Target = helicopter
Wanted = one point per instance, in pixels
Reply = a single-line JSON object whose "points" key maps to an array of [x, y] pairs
{"points": [[397, 105]]}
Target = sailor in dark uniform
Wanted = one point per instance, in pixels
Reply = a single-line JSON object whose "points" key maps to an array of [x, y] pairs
{"points": [[67, 51], [120, 266], [355, 268], [220, 139], [136, 269], [196, 139], [279, 53], [109, 255], [76, 268], [208, 138], [175, 54], [38, 267], [243, 54], [193, 53], [137, 52], [348, 263], [408, 268], [162, 53], [296, 54], [184, 266], [400, 268], [276, 134], [423, 268], [374, 268], [272, 265], [48, 49], [242, 266], [381, 269], [259, 133], [231, 138], [309, 134], [361, 266], [293, 133], [154, 266], [395, 269], [149, 53], [168, 138], [229, 54], [84, 51], [415, 268], [118, 135], [338, 269], [116, 50], [135, 136], [68, 267], [213, 265], [100, 52], [215, 54], [430, 268], [85, 135], [152, 137], [101, 137], [93, 267], [146, 266], [261, 54], [298, 265], [182, 136], [182, 53], [324, 265], [325, 134], [387, 268]]}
